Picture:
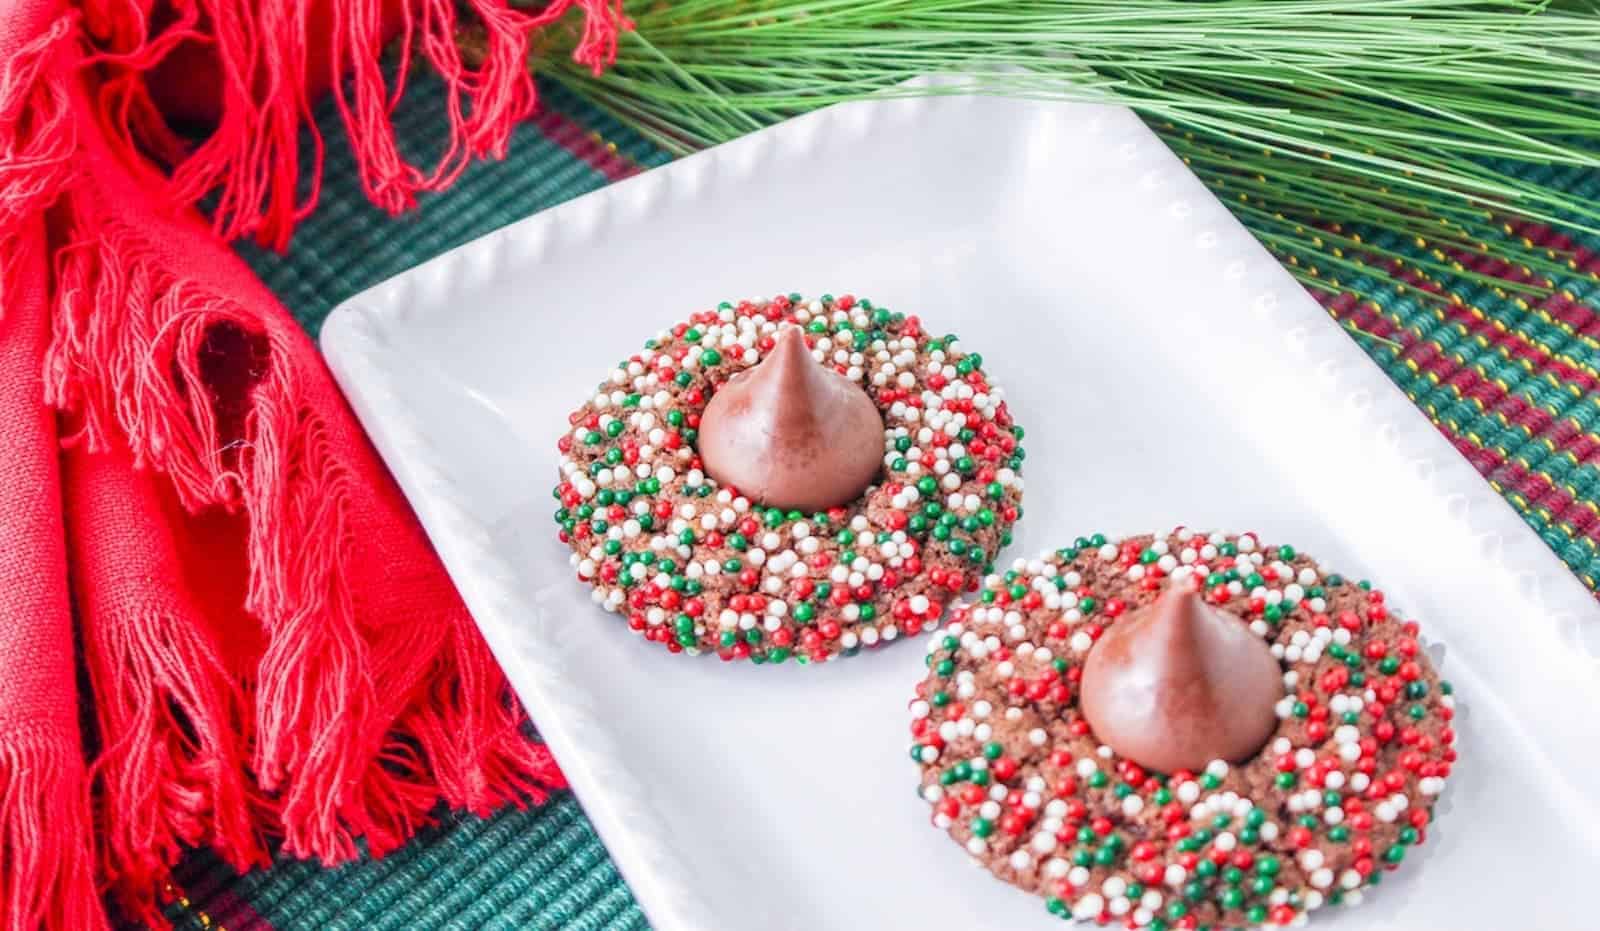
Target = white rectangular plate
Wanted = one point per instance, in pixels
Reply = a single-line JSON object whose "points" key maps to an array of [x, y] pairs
{"points": [[1167, 371]]}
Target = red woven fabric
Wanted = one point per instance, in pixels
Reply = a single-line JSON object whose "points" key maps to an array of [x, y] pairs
{"points": [[275, 658]]}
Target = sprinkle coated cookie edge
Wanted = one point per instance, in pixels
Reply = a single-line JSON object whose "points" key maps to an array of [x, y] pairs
{"points": [[699, 568], [1337, 797]]}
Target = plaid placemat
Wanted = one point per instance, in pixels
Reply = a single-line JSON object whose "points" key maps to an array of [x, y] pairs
{"points": [[1512, 382]]}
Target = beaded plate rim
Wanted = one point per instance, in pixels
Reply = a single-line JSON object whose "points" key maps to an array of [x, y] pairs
{"points": [[356, 340]]}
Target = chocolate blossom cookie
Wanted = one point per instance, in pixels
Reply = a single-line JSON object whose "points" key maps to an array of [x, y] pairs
{"points": [[715, 492], [1182, 731]]}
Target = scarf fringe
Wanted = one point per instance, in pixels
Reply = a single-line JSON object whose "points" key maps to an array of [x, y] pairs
{"points": [[474, 733], [317, 747], [336, 765], [251, 163], [126, 356], [47, 875], [37, 140], [484, 105], [172, 777]]}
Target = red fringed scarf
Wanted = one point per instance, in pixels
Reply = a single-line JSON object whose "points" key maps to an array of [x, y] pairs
{"points": [[274, 655]]}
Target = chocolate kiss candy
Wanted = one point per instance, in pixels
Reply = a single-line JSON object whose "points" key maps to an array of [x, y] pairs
{"points": [[791, 434], [1178, 684]]}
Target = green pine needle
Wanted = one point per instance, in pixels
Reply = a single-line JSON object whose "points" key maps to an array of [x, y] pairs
{"points": [[1307, 117]]}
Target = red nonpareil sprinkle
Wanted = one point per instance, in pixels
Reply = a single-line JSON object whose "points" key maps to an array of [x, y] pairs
{"points": [[1363, 747]]}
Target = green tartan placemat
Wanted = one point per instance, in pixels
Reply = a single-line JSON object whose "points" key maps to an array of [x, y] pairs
{"points": [[1513, 384]]}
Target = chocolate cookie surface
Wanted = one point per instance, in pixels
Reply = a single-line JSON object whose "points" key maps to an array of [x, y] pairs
{"points": [[697, 567], [1340, 793]]}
